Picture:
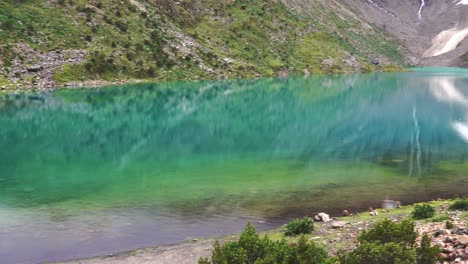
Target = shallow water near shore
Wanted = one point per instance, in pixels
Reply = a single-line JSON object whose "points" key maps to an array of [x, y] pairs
{"points": [[90, 172]]}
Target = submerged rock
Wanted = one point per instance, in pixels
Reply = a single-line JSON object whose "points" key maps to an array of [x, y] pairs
{"points": [[390, 204]]}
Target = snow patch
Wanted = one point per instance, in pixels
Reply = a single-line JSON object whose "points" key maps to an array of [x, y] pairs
{"points": [[461, 2], [446, 41]]}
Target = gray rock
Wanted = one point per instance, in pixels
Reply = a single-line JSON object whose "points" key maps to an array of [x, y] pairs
{"points": [[34, 68], [389, 204], [283, 73], [339, 224], [324, 217], [463, 240]]}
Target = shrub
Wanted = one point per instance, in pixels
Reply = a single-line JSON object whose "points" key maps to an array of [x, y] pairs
{"points": [[377, 253], [388, 231], [299, 226], [425, 253], [423, 211], [441, 218], [448, 224], [461, 205], [251, 249], [391, 243]]}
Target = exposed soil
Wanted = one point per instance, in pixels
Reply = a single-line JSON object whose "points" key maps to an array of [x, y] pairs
{"points": [[181, 254], [339, 234]]}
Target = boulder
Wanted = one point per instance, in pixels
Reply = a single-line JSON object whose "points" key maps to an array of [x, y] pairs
{"points": [[322, 217], [463, 240], [283, 73], [389, 204], [34, 68], [374, 213], [339, 224], [439, 232]]}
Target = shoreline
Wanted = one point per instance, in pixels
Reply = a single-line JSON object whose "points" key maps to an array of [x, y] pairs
{"points": [[326, 234], [10, 87]]}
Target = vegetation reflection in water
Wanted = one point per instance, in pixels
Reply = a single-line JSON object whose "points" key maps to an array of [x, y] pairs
{"points": [[268, 146]]}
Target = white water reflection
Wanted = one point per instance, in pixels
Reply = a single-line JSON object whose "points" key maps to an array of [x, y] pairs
{"points": [[93, 172], [444, 89]]}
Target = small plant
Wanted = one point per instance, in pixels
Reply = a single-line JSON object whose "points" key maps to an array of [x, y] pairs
{"points": [[299, 226], [461, 205], [448, 224], [441, 218], [425, 253], [423, 211]]}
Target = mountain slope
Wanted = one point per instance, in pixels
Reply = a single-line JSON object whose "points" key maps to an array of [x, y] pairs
{"points": [[435, 32], [50, 43]]}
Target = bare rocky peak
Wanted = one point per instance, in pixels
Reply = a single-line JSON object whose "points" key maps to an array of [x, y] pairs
{"points": [[434, 31]]}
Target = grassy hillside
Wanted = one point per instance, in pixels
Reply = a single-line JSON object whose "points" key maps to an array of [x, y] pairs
{"points": [[50, 43]]}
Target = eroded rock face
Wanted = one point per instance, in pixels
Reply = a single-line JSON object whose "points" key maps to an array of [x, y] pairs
{"points": [[35, 68]]}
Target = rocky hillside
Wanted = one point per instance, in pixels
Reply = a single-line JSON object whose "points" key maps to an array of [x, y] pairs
{"points": [[435, 31], [56, 42]]}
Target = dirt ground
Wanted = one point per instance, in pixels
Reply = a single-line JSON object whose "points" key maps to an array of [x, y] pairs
{"points": [[339, 234], [187, 253]]}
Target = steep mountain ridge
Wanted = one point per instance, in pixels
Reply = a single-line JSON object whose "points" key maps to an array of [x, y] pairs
{"points": [[57, 42], [70, 42], [434, 31]]}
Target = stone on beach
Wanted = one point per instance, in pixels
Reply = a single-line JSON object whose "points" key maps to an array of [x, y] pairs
{"points": [[322, 217]]}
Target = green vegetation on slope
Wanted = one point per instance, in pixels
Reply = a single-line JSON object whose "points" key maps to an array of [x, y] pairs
{"points": [[191, 39]]}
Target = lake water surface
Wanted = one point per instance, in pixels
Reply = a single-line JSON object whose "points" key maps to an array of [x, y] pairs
{"points": [[95, 171]]}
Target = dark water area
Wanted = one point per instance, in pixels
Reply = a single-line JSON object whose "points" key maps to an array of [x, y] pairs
{"points": [[90, 172]]}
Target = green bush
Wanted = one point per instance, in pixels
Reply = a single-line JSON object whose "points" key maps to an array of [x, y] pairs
{"points": [[461, 205], [448, 224], [391, 243], [423, 211], [252, 249], [388, 231], [425, 253], [378, 253], [441, 218], [299, 226]]}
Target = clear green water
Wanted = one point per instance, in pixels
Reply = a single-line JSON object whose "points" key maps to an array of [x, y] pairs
{"points": [[94, 171]]}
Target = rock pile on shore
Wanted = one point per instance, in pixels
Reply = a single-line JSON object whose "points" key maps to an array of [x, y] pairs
{"points": [[36, 69], [452, 240]]}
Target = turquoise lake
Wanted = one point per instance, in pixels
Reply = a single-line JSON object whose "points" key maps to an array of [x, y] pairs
{"points": [[87, 172]]}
